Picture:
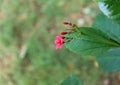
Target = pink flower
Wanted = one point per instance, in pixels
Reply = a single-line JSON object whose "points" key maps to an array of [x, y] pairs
{"points": [[59, 42]]}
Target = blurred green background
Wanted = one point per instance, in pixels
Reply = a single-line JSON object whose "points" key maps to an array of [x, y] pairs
{"points": [[27, 51]]}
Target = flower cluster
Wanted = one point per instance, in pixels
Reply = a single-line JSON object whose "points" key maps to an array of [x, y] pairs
{"points": [[59, 41], [70, 24]]}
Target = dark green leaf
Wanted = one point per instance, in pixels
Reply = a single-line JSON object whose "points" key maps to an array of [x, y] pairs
{"points": [[86, 46], [110, 61], [72, 80], [90, 42], [108, 26]]}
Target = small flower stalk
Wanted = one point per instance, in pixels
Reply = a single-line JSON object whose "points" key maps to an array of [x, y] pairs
{"points": [[61, 39], [70, 24]]}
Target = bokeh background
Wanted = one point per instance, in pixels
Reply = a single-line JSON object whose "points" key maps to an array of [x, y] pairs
{"points": [[27, 51]]}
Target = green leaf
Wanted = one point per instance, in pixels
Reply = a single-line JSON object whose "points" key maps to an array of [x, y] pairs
{"points": [[72, 80], [86, 46], [90, 42], [110, 61], [107, 26], [111, 8]]}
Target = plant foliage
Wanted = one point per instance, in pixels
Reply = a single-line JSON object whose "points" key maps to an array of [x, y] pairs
{"points": [[111, 8], [102, 39], [90, 42]]}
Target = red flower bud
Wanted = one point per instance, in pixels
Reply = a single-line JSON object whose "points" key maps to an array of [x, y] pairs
{"points": [[63, 33], [65, 23]]}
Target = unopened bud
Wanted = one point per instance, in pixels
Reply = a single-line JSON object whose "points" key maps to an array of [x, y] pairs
{"points": [[65, 23], [63, 33]]}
